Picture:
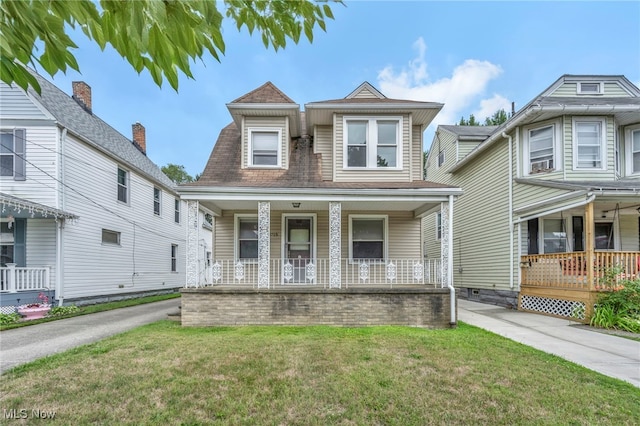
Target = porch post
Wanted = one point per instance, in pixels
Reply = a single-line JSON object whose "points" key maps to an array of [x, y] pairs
{"points": [[335, 245], [192, 244], [590, 255], [264, 242], [445, 244]]}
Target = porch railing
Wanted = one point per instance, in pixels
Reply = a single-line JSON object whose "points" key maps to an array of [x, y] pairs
{"points": [[315, 272], [14, 279], [569, 270]]}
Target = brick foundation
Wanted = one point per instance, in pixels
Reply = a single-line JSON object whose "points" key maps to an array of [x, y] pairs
{"points": [[218, 306]]}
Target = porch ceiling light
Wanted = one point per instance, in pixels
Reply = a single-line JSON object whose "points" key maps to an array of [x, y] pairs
{"points": [[296, 205]]}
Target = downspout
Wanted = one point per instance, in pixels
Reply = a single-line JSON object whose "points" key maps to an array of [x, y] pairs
{"points": [[60, 223], [510, 180], [452, 290]]}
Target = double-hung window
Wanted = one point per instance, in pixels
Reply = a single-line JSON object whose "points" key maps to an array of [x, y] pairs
{"points": [[633, 151], [246, 237], [123, 185], [541, 149], [589, 143], [156, 201], [12, 154], [264, 147], [372, 142], [367, 237]]}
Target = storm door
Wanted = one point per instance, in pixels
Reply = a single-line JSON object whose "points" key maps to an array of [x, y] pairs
{"points": [[298, 250]]}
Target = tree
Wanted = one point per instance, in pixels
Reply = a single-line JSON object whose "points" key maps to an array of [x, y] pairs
{"points": [[176, 173], [163, 37]]}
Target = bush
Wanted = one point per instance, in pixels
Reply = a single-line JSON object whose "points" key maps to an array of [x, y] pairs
{"points": [[60, 311], [619, 306], [9, 318]]}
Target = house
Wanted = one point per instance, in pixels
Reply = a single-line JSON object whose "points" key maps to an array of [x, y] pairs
{"points": [[85, 214], [552, 196], [320, 203]]}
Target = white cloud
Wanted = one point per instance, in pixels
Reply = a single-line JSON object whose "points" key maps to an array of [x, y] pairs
{"points": [[459, 92]]}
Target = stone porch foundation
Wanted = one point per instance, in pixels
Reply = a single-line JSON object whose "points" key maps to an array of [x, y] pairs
{"points": [[353, 307]]}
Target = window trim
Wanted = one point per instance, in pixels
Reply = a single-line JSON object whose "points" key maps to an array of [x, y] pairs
{"points": [[372, 141], [600, 90], [174, 258], [629, 150], [603, 142], [557, 147], [385, 243], [236, 236], [124, 185], [157, 202], [250, 132], [117, 234]]}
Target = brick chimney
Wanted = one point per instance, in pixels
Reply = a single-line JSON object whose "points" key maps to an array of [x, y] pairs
{"points": [[139, 137], [82, 94]]}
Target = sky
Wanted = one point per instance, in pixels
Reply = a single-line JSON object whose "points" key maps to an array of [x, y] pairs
{"points": [[475, 57]]}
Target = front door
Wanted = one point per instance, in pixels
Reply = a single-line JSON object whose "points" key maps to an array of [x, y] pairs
{"points": [[298, 249]]}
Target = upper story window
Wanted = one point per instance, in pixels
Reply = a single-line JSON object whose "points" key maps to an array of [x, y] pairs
{"points": [[12, 154], [156, 201], [177, 210], [246, 237], [265, 147], [633, 150], [123, 185], [589, 88], [541, 149], [589, 143], [367, 237], [372, 142]]}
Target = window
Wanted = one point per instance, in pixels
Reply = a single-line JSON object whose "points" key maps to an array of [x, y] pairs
{"points": [[156, 201], [265, 148], [604, 236], [110, 237], [589, 146], [123, 185], [174, 258], [368, 236], [541, 149], [438, 226], [372, 142], [440, 158], [247, 237], [589, 88], [12, 154], [176, 213], [633, 150], [555, 236]]}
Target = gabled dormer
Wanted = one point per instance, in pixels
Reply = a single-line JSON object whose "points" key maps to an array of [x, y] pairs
{"points": [[268, 120], [369, 137]]}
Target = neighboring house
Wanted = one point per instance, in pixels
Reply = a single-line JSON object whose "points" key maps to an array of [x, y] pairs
{"points": [[332, 196], [86, 215], [551, 197]]}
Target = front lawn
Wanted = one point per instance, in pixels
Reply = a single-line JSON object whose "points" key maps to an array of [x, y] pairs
{"points": [[165, 374]]}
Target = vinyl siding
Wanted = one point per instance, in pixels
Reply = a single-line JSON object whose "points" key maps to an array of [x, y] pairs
{"points": [[322, 144], [268, 122], [375, 174], [41, 245], [15, 104], [142, 261]]}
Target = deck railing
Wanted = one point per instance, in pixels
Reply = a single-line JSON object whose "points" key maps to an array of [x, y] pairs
{"points": [[569, 270], [14, 279], [315, 272]]}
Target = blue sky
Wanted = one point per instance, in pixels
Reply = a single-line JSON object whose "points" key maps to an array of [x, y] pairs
{"points": [[475, 57]]}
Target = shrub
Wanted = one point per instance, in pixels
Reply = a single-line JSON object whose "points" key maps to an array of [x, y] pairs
{"points": [[9, 318], [60, 311], [619, 306]]}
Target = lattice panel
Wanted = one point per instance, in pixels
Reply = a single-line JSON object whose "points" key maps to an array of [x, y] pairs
{"points": [[559, 307]]}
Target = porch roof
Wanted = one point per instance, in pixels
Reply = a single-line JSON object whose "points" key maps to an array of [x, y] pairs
{"points": [[21, 208]]}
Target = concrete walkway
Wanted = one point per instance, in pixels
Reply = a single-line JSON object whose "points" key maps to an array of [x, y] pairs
{"points": [[25, 344], [610, 355]]}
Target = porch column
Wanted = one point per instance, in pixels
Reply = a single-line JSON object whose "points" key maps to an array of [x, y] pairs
{"points": [[335, 245], [589, 251], [446, 245], [192, 244], [264, 243]]}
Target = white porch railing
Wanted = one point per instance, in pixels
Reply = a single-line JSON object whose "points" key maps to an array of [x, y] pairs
{"points": [[315, 272], [14, 279]]}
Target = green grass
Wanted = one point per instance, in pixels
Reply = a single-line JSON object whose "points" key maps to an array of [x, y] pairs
{"points": [[92, 309], [165, 374]]}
